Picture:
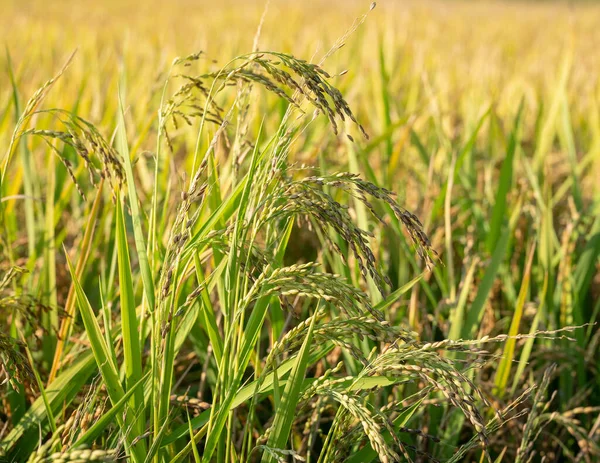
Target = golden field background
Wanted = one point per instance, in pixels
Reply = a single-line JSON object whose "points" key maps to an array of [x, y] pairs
{"points": [[445, 61], [468, 54]]}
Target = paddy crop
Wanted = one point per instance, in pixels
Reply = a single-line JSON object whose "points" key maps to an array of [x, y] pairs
{"points": [[328, 232]]}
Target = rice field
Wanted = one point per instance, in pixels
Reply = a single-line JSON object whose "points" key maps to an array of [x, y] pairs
{"points": [[322, 231]]}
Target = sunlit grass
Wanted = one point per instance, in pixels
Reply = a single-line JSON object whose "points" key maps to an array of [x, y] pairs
{"points": [[189, 272]]}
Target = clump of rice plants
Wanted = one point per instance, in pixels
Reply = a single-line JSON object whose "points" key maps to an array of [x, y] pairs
{"points": [[171, 325]]}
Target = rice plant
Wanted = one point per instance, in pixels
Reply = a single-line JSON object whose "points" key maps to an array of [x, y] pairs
{"points": [[231, 275]]}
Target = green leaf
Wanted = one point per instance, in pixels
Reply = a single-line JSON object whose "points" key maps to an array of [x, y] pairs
{"points": [[457, 316], [107, 418], [129, 321], [504, 368], [104, 357], [475, 312], [504, 185], [140, 242], [286, 411], [60, 392], [395, 295]]}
